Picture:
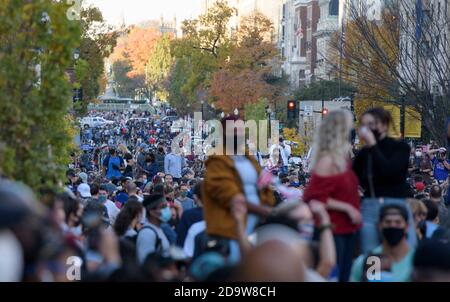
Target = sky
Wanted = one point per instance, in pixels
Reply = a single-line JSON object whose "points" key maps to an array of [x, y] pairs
{"points": [[136, 11]]}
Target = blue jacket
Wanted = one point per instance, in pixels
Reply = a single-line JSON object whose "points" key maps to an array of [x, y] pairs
{"points": [[187, 220]]}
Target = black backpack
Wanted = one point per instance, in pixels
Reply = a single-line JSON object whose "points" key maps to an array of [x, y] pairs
{"points": [[158, 242]]}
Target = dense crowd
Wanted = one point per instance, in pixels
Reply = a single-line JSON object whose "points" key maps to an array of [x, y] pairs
{"points": [[133, 209]]}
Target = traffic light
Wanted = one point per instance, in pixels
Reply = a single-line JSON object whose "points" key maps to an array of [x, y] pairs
{"points": [[291, 110], [325, 111]]}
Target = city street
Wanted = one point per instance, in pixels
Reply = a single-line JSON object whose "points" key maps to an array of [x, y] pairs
{"points": [[224, 141]]}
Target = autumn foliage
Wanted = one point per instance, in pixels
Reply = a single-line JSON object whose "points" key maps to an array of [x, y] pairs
{"points": [[136, 48]]}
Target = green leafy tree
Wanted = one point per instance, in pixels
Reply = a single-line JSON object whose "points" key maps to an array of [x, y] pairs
{"points": [[158, 67], [97, 42], [324, 90], [256, 111], [205, 45], [35, 52], [126, 85]]}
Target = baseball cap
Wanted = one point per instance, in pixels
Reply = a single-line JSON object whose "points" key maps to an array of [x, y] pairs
{"points": [[442, 150], [122, 198], [104, 146], [84, 190], [84, 177]]}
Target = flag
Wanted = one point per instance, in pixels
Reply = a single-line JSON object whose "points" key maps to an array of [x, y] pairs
{"points": [[343, 32], [299, 32], [419, 19]]}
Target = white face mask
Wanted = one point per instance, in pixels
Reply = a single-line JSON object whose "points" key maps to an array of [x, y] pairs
{"points": [[418, 154]]}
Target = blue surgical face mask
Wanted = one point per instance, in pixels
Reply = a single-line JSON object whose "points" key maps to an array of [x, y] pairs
{"points": [[102, 198], [166, 214]]}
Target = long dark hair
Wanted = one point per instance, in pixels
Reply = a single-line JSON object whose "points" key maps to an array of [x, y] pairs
{"points": [[126, 215]]}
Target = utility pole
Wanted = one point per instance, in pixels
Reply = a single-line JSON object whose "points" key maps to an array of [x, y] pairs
{"points": [[402, 117]]}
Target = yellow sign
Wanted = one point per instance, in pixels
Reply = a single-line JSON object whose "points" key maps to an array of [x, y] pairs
{"points": [[413, 122]]}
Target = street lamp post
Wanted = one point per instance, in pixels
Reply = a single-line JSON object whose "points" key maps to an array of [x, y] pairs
{"points": [[202, 102], [269, 115]]}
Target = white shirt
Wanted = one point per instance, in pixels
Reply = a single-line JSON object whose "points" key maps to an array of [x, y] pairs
{"points": [[113, 211], [189, 242], [139, 198], [284, 154], [287, 149]]}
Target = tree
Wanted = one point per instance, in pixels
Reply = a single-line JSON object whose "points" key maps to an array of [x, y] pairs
{"points": [[97, 41], [256, 111], [326, 90], [204, 46], [126, 85], [136, 46], [36, 50], [243, 77], [232, 91], [402, 58], [158, 67]]}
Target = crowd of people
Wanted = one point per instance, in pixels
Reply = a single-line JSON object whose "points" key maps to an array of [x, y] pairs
{"points": [[132, 209]]}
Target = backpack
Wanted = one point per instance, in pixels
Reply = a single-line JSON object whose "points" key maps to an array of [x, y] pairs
{"points": [[158, 241]]}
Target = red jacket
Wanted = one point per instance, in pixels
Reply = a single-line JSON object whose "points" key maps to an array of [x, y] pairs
{"points": [[341, 187]]}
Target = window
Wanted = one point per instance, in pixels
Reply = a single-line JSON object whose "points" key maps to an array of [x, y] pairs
{"points": [[301, 74], [333, 9]]}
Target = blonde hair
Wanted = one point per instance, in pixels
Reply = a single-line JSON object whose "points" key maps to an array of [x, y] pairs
{"points": [[332, 138], [123, 149], [417, 206]]}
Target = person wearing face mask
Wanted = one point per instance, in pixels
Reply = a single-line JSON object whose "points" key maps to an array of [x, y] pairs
{"points": [[382, 169], [230, 177], [160, 158], [100, 195], [151, 238], [301, 218], [441, 165], [334, 184], [186, 202], [421, 165], [394, 256]]}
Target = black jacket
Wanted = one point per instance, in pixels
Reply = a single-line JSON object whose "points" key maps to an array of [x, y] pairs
{"points": [[388, 160]]}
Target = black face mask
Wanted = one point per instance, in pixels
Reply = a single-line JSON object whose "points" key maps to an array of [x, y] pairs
{"points": [[376, 133], [393, 236]]}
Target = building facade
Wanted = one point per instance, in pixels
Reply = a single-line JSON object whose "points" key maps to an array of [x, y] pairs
{"points": [[327, 27], [299, 44]]}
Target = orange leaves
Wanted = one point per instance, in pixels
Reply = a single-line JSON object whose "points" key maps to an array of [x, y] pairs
{"points": [[235, 90], [136, 47]]}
